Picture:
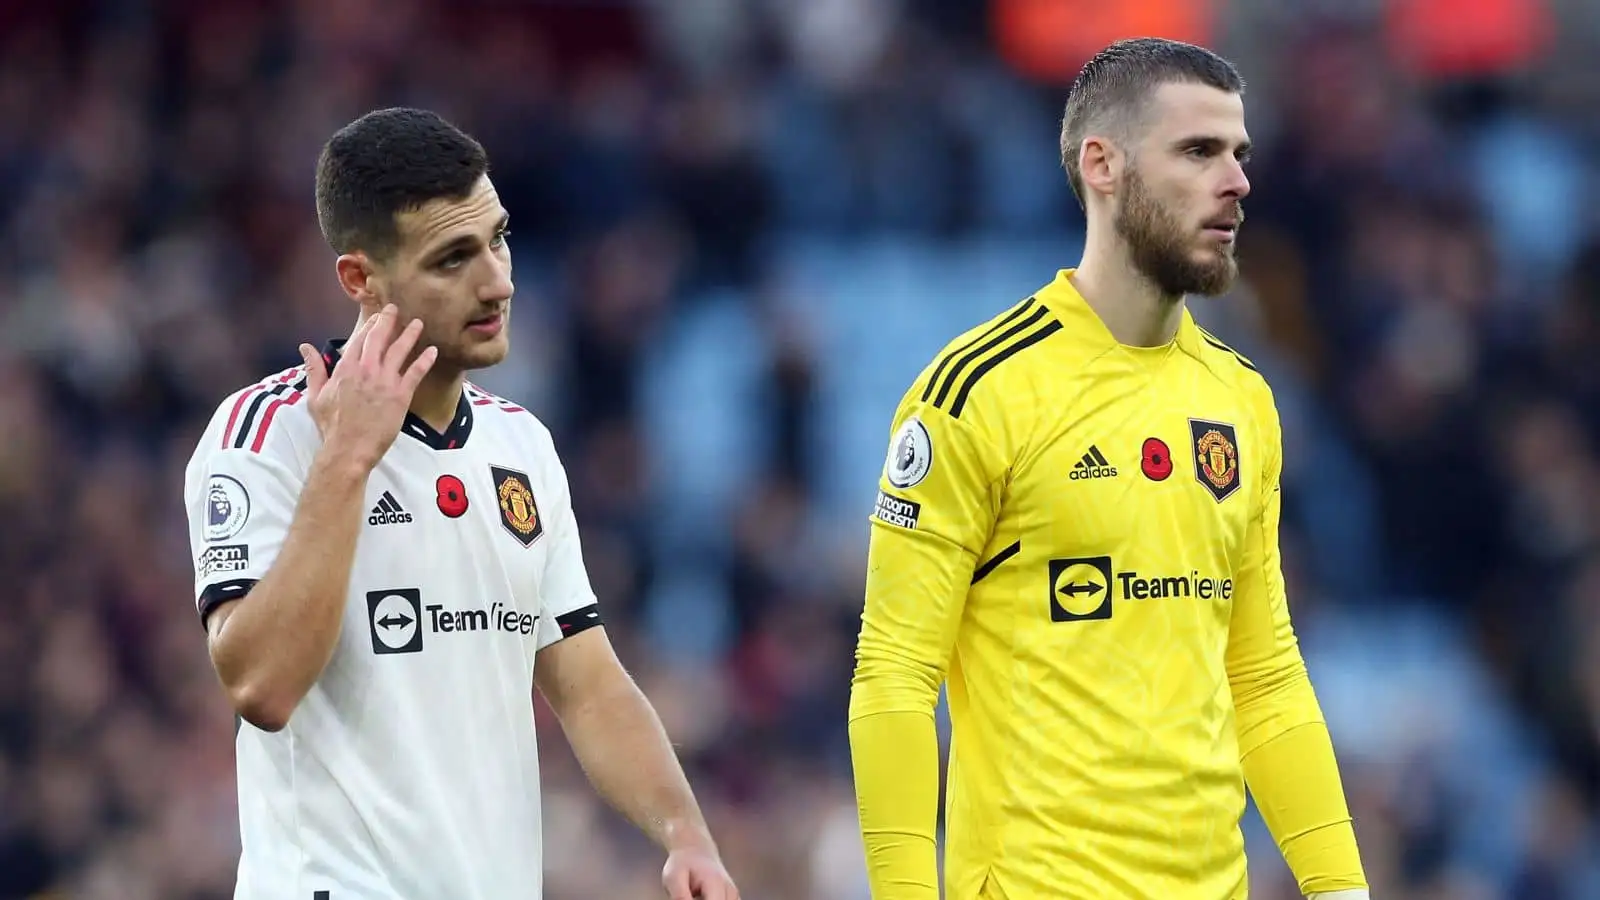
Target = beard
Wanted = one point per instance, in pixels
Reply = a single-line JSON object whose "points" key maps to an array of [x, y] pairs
{"points": [[1162, 247]]}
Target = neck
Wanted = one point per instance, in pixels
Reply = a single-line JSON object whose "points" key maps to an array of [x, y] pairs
{"points": [[1133, 309], [437, 396]]}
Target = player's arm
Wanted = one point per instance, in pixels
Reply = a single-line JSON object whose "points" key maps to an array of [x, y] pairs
{"points": [[269, 647], [618, 738], [1283, 738], [937, 502], [611, 726], [273, 629]]}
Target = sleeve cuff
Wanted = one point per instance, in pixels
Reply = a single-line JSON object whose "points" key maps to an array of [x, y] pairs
{"points": [[217, 594], [581, 619]]}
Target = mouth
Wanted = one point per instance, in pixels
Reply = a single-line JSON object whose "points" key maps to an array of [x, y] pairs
{"points": [[1223, 228], [488, 325]]}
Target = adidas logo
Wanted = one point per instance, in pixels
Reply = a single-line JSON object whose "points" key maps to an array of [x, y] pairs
{"points": [[1093, 465], [388, 512]]}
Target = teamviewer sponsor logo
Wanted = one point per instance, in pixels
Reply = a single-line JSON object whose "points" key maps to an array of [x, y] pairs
{"points": [[1080, 589], [396, 619], [498, 617], [388, 512], [1086, 588]]}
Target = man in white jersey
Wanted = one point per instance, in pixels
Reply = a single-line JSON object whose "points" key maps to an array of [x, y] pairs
{"points": [[383, 554]]}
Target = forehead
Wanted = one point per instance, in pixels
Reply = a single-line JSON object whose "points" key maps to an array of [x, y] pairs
{"points": [[444, 219], [1183, 110]]}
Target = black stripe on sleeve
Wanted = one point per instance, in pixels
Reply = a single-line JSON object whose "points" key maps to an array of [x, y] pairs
{"points": [[994, 562], [217, 594], [1049, 328], [938, 370], [248, 424], [1211, 339], [985, 347], [581, 619]]}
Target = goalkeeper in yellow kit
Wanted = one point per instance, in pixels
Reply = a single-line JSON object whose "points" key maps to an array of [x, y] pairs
{"points": [[1077, 532]]}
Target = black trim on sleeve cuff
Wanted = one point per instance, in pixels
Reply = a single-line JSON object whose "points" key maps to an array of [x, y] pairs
{"points": [[581, 619], [217, 594]]}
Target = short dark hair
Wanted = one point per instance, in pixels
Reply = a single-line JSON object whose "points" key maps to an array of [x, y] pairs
{"points": [[385, 163], [1117, 82]]}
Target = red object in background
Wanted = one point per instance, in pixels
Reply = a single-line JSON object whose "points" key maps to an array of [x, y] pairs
{"points": [[1050, 40], [1453, 38]]}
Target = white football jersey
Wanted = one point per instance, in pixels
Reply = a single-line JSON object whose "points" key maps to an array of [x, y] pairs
{"points": [[410, 771]]}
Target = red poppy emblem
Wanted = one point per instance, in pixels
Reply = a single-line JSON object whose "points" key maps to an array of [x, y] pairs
{"points": [[452, 496], [1156, 459]]}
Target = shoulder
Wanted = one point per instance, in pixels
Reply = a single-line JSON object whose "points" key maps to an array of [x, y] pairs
{"points": [[266, 418], [975, 368], [1238, 373], [1230, 366], [511, 419]]}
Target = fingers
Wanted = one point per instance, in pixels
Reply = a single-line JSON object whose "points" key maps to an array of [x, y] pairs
{"points": [[700, 882], [675, 878], [399, 351], [378, 337], [358, 339], [316, 370], [679, 890], [418, 369]]}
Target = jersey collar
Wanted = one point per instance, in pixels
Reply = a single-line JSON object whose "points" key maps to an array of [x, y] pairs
{"points": [[452, 438], [1067, 301]]}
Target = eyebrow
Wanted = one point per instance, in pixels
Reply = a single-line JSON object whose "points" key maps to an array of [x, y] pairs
{"points": [[1213, 143], [466, 240]]}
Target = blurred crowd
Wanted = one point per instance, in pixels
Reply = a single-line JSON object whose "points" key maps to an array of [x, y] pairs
{"points": [[740, 228]]}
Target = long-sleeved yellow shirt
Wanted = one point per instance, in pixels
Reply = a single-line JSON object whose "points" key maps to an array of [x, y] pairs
{"points": [[1080, 540]]}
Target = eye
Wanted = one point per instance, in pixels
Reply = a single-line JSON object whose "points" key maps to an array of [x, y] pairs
{"points": [[500, 238]]}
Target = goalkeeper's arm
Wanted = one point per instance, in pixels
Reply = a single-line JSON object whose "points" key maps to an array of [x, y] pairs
{"points": [[907, 630], [935, 510], [1284, 744]]}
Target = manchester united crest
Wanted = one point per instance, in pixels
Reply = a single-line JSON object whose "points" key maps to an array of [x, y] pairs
{"points": [[1216, 457], [518, 511]]}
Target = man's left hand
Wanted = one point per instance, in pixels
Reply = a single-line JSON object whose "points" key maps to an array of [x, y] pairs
{"points": [[695, 874]]}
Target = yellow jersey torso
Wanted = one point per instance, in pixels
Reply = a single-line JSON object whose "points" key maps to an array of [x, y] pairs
{"points": [[1094, 753]]}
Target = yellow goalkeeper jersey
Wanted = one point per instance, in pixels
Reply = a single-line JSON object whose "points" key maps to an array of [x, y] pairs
{"points": [[1079, 539]]}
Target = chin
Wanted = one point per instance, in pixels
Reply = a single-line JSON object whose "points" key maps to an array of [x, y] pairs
{"points": [[482, 355], [1207, 278]]}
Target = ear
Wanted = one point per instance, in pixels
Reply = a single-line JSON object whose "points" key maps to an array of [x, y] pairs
{"points": [[1100, 164], [359, 277]]}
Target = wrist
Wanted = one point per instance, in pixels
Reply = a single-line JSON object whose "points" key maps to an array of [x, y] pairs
{"points": [[687, 834], [343, 462]]}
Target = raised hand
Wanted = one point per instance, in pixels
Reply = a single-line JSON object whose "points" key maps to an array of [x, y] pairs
{"points": [[360, 407]]}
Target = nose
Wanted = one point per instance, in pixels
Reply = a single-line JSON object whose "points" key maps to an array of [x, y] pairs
{"points": [[1235, 184], [497, 287]]}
